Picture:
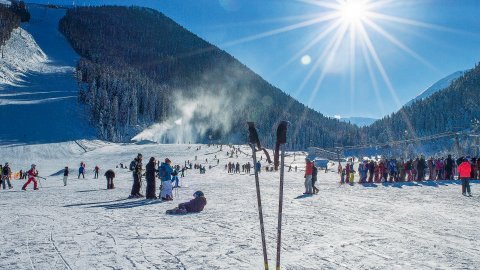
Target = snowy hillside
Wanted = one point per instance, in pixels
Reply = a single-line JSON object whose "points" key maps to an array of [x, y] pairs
{"points": [[5, 2], [38, 94], [441, 84], [21, 54], [425, 225]]}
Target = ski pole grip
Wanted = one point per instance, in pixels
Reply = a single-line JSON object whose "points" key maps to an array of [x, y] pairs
{"points": [[252, 133], [282, 132]]}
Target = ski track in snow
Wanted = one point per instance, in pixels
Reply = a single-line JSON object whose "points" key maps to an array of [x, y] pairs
{"points": [[83, 226]]}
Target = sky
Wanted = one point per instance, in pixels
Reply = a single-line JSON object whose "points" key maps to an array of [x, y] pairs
{"points": [[340, 57]]}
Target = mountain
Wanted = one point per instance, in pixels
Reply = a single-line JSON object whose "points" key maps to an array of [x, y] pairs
{"points": [[452, 109], [143, 76], [359, 121], [439, 85]]}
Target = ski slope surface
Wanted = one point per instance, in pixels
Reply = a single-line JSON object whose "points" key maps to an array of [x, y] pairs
{"points": [[38, 93], [427, 225]]}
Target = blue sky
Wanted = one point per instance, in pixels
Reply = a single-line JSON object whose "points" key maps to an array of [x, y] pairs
{"points": [[441, 37]]}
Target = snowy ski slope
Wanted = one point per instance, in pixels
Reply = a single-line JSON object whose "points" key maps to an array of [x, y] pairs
{"points": [[38, 98], [83, 226]]}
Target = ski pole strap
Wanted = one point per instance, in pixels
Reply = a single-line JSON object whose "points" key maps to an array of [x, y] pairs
{"points": [[281, 139], [253, 139]]}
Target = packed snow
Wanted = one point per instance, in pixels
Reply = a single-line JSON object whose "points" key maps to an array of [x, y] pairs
{"points": [[38, 95], [425, 225]]}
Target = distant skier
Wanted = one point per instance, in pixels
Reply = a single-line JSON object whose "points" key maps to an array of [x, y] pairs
{"points": [[137, 177], [65, 176], [96, 170], [308, 177], [193, 206], [314, 179], [150, 171], [258, 167], [464, 170], [110, 175], [32, 173], [81, 171], [165, 173], [6, 171]]}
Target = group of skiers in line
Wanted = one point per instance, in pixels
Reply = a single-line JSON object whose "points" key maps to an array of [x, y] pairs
{"points": [[109, 174], [418, 169], [6, 176]]}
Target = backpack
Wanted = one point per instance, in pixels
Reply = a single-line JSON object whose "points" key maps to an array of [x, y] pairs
{"points": [[132, 165], [162, 172]]}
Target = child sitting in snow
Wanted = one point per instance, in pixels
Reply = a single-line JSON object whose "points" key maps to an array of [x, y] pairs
{"points": [[193, 206]]}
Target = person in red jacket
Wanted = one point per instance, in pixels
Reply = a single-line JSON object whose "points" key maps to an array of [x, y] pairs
{"points": [[32, 173], [308, 176], [464, 170]]}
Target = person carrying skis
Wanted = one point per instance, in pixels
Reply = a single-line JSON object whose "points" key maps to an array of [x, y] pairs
{"points": [[96, 170], [32, 173], [165, 172], [308, 177], [314, 179], [65, 176], [464, 170], [137, 177], [110, 174], [193, 206], [6, 171], [150, 171]]}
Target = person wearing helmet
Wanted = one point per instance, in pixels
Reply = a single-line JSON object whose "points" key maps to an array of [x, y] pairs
{"points": [[195, 205], [32, 173]]}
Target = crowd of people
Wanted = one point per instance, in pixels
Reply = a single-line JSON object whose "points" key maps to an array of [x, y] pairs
{"points": [[408, 170]]}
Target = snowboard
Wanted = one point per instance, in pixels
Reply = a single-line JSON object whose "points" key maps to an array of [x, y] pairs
{"points": [[176, 212]]}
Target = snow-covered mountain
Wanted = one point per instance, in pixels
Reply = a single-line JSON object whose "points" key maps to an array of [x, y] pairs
{"points": [[359, 121], [5, 2], [38, 92], [439, 85]]}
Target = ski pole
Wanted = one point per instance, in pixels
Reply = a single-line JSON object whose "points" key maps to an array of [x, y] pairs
{"points": [[281, 140], [253, 138]]}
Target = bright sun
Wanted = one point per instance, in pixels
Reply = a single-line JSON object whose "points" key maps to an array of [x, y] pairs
{"points": [[353, 11]]}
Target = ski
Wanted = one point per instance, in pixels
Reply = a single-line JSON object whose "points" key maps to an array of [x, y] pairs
{"points": [[280, 144], [254, 140]]}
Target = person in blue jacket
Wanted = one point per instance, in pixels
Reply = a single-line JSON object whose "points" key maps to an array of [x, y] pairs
{"points": [[165, 173]]}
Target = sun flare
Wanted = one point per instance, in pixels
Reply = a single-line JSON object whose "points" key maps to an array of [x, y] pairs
{"points": [[353, 11]]}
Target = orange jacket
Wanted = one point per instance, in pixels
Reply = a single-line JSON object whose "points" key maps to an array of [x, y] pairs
{"points": [[464, 169]]}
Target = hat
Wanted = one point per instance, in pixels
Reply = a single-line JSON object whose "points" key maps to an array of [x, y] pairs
{"points": [[167, 160], [198, 194]]}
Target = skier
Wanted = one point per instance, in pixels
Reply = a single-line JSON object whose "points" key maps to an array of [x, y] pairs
{"points": [[165, 172], [308, 177], [258, 167], [81, 171], [65, 176], [314, 179], [449, 168], [193, 206], [110, 174], [464, 171], [137, 177], [150, 171], [6, 171], [175, 178], [32, 173], [96, 170]]}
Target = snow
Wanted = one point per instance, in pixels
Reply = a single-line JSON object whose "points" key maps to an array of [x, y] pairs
{"points": [[38, 93], [83, 226], [5, 2]]}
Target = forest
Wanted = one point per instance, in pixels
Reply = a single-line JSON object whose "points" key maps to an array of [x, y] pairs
{"points": [[10, 18]]}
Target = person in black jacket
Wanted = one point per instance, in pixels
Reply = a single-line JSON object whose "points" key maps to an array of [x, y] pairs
{"points": [[65, 176], [137, 177], [193, 206], [110, 174], [150, 171], [449, 168], [314, 178]]}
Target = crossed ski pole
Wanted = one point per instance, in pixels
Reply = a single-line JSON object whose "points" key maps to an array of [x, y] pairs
{"points": [[281, 140]]}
